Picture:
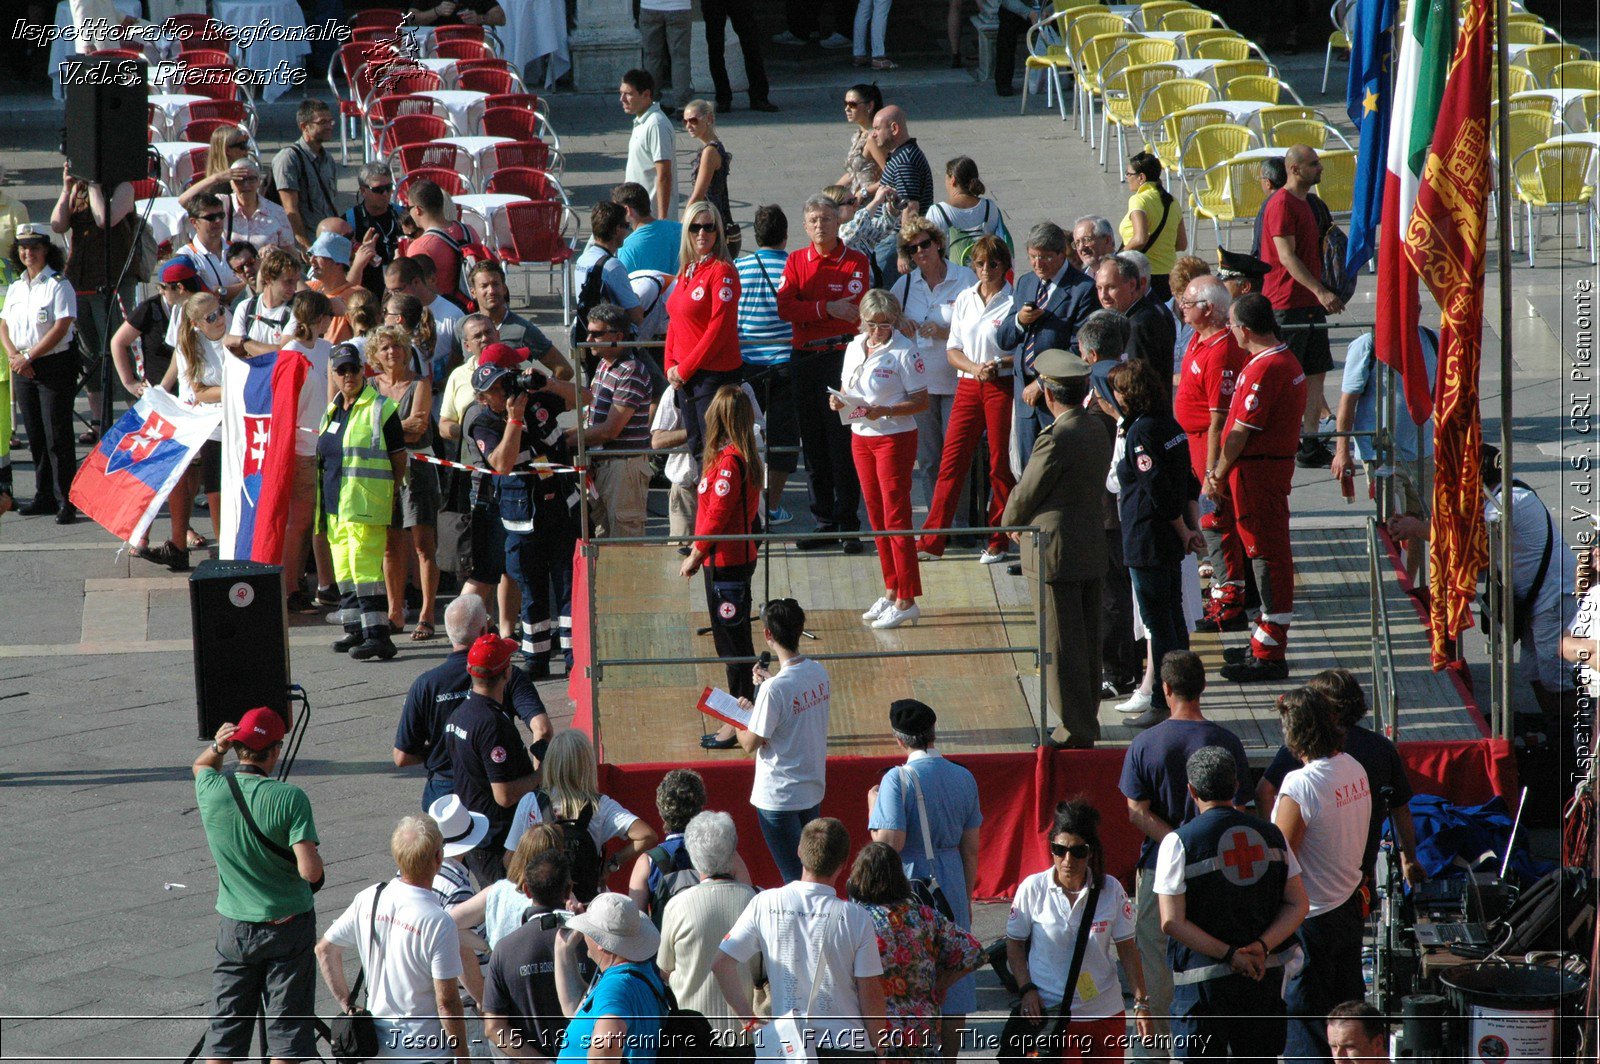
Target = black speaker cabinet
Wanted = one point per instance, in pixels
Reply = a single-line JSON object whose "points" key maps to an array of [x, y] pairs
{"points": [[241, 642], [106, 122]]}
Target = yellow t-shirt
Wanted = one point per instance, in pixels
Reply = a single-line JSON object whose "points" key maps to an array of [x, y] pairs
{"points": [[1164, 252]]}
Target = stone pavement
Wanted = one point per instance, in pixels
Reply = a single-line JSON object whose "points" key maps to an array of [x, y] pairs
{"points": [[109, 886]]}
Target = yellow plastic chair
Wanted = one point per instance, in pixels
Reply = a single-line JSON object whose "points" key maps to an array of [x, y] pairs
{"points": [[1339, 39], [1338, 185], [1550, 178], [1253, 87], [1046, 51], [1518, 79], [1526, 28], [1168, 98], [1191, 20], [1207, 146], [1120, 103], [1294, 131], [1080, 27], [1175, 130], [1576, 74], [1152, 12], [1541, 60], [1222, 48], [1232, 69], [1228, 192], [1193, 39], [1100, 58], [1269, 117], [1063, 6], [1528, 128], [1590, 103]]}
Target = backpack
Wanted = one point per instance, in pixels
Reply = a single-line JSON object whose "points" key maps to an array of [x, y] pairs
{"points": [[581, 850], [304, 164], [591, 295], [959, 241], [468, 255], [1335, 245], [685, 1033], [677, 875]]}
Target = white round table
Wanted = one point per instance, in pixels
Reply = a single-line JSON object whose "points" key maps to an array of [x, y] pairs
{"points": [[62, 49], [475, 147], [1194, 68], [465, 107], [172, 111], [535, 29], [445, 68], [1240, 111], [1258, 154], [1565, 104], [176, 170], [488, 206], [273, 58], [169, 222]]}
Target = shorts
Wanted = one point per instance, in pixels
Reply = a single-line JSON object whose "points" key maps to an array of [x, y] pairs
{"points": [[1310, 346], [416, 502], [488, 547], [208, 463]]}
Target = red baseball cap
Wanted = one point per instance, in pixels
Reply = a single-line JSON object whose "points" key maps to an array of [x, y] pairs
{"points": [[498, 354], [259, 728], [489, 656]]}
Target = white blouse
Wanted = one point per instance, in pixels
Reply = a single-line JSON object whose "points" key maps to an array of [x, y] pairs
{"points": [[974, 328], [886, 376]]}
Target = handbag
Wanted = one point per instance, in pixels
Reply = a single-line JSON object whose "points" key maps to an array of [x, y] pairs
{"points": [[790, 1037], [353, 1035], [926, 889], [1021, 1039]]}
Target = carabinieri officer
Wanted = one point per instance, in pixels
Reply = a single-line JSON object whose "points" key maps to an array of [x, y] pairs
{"points": [[361, 456]]}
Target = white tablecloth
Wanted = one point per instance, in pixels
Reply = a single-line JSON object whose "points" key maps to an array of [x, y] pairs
{"points": [[169, 222], [487, 205], [1565, 104], [1195, 68], [62, 49], [1259, 154], [273, 57], [533, 29], [445, 68], [1240, 111], [476, 147], [172, 112], [1132, 14], [465, 107], [176, 170]]}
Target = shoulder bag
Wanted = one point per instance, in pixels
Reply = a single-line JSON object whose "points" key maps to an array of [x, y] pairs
{"points": [[926, 889], [792, 1037], [353, 1036], [1022, 1039]]}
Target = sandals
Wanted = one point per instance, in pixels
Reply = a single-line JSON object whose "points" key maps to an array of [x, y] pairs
{"points": [[90, 434], [422, 632], [197, 541], [885, 64]]}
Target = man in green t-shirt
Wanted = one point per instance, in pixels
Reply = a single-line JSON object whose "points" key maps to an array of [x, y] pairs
{"points": [[265, 844]]}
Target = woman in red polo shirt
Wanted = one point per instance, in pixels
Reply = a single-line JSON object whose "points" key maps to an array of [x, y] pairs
{"points": [[702, 352]]}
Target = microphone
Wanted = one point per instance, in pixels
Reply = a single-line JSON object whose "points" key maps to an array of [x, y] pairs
{"points": [[828, 341], [766, 659]]}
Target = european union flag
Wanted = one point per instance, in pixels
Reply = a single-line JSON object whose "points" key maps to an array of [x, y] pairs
{"points": [[1368, 101]]}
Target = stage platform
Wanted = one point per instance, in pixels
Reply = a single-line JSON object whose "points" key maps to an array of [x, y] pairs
{"points": [[987, 703]]}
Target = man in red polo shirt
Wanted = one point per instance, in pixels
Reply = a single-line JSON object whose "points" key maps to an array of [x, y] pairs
{"points": [[1291, 246], [1257, 465], [821, 286], [1206, 379]]}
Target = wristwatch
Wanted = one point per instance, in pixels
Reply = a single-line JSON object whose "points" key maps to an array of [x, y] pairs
{"points": [[218, 748]]}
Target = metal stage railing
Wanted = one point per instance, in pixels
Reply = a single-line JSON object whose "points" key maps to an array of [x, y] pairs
{"points": [[595, 671]]}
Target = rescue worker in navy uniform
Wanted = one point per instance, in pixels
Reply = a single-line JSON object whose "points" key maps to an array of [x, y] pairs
{"points": [[361, 457], [489, 769], [1231, 900], [511, 431]]}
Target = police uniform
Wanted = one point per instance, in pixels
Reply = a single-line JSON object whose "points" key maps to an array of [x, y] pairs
{"points": [[1241, 273], [485, 749], [1231, 869], [534, 512], [1268, 399], [355, 501], [32, 307], [729, 495]]}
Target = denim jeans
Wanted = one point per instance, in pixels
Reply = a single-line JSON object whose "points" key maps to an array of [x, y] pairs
{"points": [[781, 829], [874, 14], [1158, 590]]}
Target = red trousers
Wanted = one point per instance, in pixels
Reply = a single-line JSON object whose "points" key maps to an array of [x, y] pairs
{"points": [[979, 407], [1097, 1041], [1260, 491], [883, 465], [1221, 522]]}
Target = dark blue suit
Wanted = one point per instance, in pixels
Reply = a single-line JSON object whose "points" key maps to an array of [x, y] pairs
{"points": [[1070, 302]]}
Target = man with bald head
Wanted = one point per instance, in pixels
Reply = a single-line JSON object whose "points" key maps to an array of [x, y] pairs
{"points": [[906, 187], [1291, 246]]}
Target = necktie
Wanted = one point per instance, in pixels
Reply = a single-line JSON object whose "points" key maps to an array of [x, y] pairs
{"points": [[1030, 347]]}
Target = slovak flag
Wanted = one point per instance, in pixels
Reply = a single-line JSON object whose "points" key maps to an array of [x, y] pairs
{"points": [[260, 412], [125, 479]]}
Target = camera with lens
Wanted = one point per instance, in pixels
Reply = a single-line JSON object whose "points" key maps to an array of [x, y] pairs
{"points": [[529, 378], [550, 920]]}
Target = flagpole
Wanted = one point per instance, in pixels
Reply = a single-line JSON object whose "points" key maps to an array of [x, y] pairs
{"points": [[1507, 604]]}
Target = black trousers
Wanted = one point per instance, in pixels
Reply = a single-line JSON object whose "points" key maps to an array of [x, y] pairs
{"points": [[695, 397], [487, 862], [1119, 652], [830, 462], [740, 13], [46, 400], [728, 607], [801, 17], [1007, 35]]}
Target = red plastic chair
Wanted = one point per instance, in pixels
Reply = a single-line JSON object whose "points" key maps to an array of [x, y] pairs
{"points": [[232, 111], [197, 31], [528, 101], [538, 231], [406, 81], [214, 83], [147, 188], [377, 17], [195, 162], [463, 50], [518, 123], [495, 82], [481, 34], [208, 57], [449, 180], [528, 155], [523, 181], [383, 110], [413, 157], [200, 130], [412, 129]]}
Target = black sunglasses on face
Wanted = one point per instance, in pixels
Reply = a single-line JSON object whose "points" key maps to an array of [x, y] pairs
{"points": [[345, 371], [212, 217], [1078, 852], [921, 245], [380, 189], [702, 227], [213, 317]]}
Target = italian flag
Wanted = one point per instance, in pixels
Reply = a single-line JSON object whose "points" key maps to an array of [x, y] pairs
{"points": [[1426, 42]]}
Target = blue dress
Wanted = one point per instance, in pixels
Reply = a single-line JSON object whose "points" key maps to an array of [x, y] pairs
{"points": [[951, 795]]}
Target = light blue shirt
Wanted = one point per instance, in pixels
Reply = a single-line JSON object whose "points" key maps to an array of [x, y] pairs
{"points": [[764, 338], [615, 284], [1359, 380], [653, 246]]}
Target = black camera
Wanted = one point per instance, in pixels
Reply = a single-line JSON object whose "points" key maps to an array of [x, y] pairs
{"points": [[550, 920], [530, 378]]}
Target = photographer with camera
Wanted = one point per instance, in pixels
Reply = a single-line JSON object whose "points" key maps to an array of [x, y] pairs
{"points": [[523, 523], [522, 1014]]}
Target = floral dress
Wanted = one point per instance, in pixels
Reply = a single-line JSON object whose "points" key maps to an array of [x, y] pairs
{"points": [[916, 944], [859, 165]]}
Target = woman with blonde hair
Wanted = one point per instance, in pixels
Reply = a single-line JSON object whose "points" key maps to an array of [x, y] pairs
{"points": [[709, 173], [571, 798], [389, 352], [702, 347], [229, 146], [883, 376], [730, 499]]}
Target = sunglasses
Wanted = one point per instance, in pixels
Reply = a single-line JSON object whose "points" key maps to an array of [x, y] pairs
{"points": [[346, 370], [382, 190], [702, 227], [212, 217], [921, 245], [212, 318], [239, 145], [852, 103], [247, 179], [1077, 853]]}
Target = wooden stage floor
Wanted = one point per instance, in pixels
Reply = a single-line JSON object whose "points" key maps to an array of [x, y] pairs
{"points": [[986, 703]]}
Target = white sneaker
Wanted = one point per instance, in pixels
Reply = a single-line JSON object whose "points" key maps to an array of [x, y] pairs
{"points": [[989, 557], [786, 38], [894, 616], [836, 40], [1137, 702], [928, 556], [877, 609]]}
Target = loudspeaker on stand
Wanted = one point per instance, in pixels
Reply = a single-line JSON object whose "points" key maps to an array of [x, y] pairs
{"points": [[241, 642]]}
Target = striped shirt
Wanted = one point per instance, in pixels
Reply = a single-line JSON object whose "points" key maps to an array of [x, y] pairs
{"points": [[907, 172], [764, 338], [625, 382]]}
